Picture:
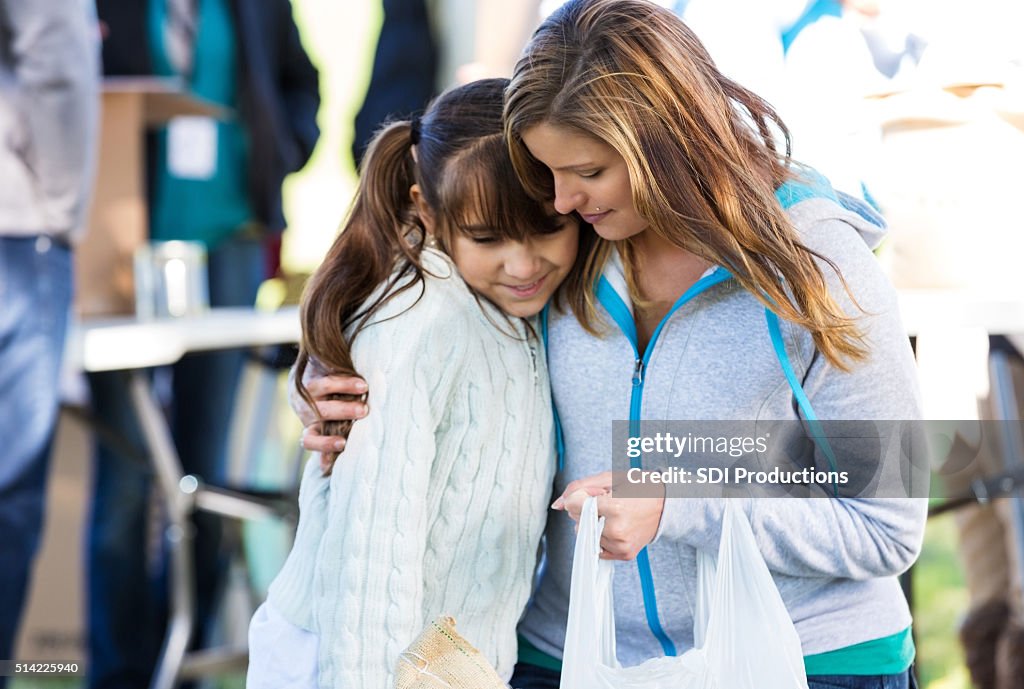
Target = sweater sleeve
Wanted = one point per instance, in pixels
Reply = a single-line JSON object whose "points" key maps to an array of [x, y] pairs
{"points": [[368, 585], [812, 537], [852, 538]]}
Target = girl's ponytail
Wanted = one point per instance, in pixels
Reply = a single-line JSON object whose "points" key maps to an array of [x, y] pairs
{"points": [[381, 230], [460, 162]]}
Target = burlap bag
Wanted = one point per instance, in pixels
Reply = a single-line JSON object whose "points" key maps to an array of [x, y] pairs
{"points": [[441, 659]]}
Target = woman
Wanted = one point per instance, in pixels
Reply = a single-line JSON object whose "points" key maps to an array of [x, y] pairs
{"points": [[721, 269], [440, 505]]}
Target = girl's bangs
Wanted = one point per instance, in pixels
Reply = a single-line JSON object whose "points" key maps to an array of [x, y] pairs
{"points": [[483, 197]]}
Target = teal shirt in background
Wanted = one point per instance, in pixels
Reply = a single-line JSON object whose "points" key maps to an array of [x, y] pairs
{"points": [[209, 210]]}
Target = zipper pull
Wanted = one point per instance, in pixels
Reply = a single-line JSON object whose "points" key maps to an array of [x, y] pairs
{"points": [[533, 360], [638, 373]]}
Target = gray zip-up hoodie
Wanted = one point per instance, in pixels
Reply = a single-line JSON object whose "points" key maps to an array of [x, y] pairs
{"points": [[835, 561], [49, 110]]}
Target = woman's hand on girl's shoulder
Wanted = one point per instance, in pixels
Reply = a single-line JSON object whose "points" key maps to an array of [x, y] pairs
{"points": [[323, 388]]}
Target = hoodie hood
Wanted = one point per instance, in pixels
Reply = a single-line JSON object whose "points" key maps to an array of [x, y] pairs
{"points": [[810, 200]]}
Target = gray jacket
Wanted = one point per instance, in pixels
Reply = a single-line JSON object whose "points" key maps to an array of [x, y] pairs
{"points": [[835, 561], [49, 110]]}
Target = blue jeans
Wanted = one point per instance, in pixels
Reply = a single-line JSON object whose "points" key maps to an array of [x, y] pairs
{"points": [[533, 677], [35, 295], [127, 606], [902, 680]]}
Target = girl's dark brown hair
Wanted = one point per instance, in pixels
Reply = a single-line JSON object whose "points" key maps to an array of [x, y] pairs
{"points": [[700, 149], [460, 162]]}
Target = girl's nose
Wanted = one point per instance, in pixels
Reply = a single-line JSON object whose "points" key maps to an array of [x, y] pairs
{"points": [[522, 261]]}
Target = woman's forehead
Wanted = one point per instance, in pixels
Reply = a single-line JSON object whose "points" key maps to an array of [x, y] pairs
{"points": [[562, 148]]}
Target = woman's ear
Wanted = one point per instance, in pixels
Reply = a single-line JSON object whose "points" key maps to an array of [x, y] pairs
{"points": [[423, 210]]}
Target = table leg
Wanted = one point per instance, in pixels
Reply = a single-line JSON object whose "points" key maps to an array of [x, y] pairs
{"points": [[180, 536], [1012, 441]]}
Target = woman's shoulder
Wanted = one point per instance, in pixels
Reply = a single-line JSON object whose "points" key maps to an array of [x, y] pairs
{"points": [[845, 231], [833, 222]]}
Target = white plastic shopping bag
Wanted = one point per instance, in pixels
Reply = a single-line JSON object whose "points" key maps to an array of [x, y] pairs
{"points": [[744, 638]]}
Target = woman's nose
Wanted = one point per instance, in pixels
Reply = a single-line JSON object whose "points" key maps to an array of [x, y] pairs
{"points": [[567, 197]]}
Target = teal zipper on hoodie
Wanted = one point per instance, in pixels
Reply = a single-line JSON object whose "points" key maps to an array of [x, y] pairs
{"points": [[620, 313]]}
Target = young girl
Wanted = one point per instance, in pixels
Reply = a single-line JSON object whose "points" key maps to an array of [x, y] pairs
{"points": [[729, 285], [440, 504]]}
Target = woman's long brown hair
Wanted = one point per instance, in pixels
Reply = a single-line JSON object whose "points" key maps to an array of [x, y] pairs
{"points": [[700, 149], [457, 155]]}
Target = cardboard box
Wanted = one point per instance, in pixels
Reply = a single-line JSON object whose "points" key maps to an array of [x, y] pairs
{"points": [[118, 222]]}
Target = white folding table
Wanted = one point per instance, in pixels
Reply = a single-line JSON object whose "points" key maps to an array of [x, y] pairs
{"points": [[132, 345]]}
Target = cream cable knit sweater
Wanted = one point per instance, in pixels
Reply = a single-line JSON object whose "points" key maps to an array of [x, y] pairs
{"points": [[438, 503]]}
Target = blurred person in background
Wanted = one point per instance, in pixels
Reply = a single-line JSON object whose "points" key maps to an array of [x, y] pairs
{"points": [[837, 54], [219, 183], [992, 631], [745, 39], [427, 46], [815, 61], [404, 74], [49, 107]]}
